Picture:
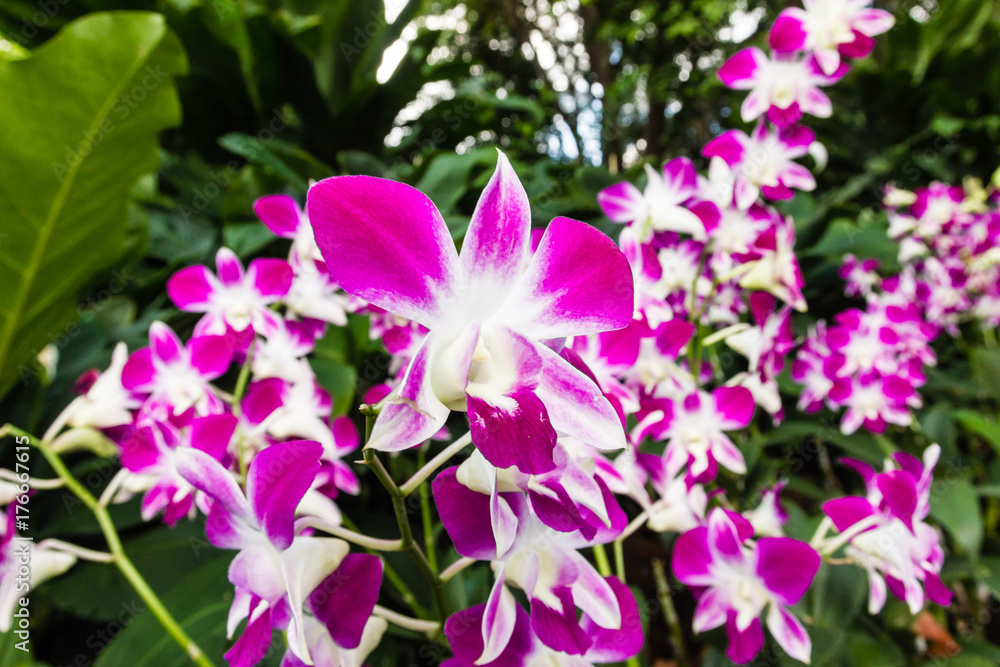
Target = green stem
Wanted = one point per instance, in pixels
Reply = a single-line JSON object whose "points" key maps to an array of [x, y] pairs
{"points": [[406, 533], [425, 515], [670, 612], [601, 556], [121, 560], [620, 560], [241, 387]]}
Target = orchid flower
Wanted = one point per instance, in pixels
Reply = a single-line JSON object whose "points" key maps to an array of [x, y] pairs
{"points": [[525, 648], [106, 403], [776, 268], [313, 294], [281, 353], [695, 429], [660, 207], [762, 163], [830, 29], [509, 527], [769, 516], [177, 375], [149, 453], [898, 547], [278, 573], [741, 579], [783, 87], [231, 299], [488, 310]]}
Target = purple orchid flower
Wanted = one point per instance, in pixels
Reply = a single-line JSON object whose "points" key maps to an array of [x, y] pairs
{"points": [[897, 547], [762, 163], [278, 573], [661, 207], [830, 29], [739, 579], [489, 518], [177, 376], [526, 648], [232, 299], [150, 451], [784, 87], [487, 309], [695, 429]]}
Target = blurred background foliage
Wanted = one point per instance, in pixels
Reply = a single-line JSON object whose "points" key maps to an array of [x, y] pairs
{"points": [[579, 93]]}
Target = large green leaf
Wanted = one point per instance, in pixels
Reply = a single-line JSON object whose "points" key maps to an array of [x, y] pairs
{"points": [[79, 120]]}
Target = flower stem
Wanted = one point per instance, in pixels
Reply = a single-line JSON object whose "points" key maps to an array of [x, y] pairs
{"points": [[425, 516], [373, 543], [119, 558], [429, 628], [402, 519], [601, 556], [426, 470], [670, 612]]}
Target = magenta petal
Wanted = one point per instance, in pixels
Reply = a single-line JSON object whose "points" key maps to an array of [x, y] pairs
{"points": [[621, 202], [787, 566], [210, 355], [788, 33], [465, 515], [692, 557], [412, 413], [263, 398], [735, 405], [847, 511], [723, 537], [191, 288], [252, 645], [496, 244], [514, 432], [139, 450], [271, 277], [578, 282], [899, 494], [278, 478], [467, 643], [228, 267], [576, 405], [616, 645], [385, 242], [344, 601], [729, 146], [279, 213], [672, 336], [138, 373], [743, 646], [212, 434], [936, 590], [164, 342], [740, 71], [559, 629], [205, 473]]}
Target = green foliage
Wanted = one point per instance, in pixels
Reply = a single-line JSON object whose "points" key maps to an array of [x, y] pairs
{"points": [[65, 177]]}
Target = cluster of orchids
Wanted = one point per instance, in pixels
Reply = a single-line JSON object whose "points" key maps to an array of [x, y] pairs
{"points": [[584, 372], [871, 362]]}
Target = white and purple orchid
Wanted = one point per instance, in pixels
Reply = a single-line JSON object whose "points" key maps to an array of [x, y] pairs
{"points": [[232, 299], [280, 572], [488, 310], [830, 29], [783, 87], [739, 579]]}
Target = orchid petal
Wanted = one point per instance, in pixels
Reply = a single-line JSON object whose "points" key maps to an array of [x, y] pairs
{"points": [[278, 478], [578, 282], [385, 242], [279, 213]]}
